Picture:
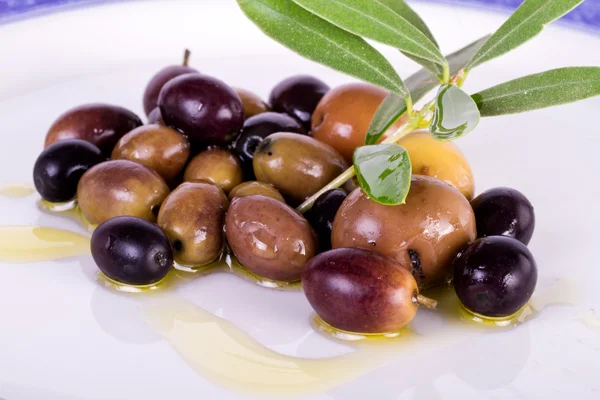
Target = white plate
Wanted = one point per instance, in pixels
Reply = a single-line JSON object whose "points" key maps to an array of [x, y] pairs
{"points": [[62, 336]]}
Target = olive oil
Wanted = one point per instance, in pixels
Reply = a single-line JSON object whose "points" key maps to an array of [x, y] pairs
{"points": [[590, 320], [17, 190], [69, 210]]}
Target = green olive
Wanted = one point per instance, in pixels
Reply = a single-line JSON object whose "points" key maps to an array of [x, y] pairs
{"points": [[218, 166], [254, 187]]}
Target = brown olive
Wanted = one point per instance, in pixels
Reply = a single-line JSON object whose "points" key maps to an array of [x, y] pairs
{"points": [[269, 238], [358, 290], [218, 166], [193, 217], [120, 187], [254, 187], [297, 165], [253, 105], [344, 114], [155, 146], [424, 235], [100, 124]]}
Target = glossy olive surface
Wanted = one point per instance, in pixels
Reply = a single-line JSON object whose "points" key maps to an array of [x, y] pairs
{"points": [[424, 235], [157, 147], [504, 211], [297, 165], [253, 187], [218, 166], [495, 276], [120, 187], [59, 168], [132, 251], [269, 238], [358, 290], [157, 82], [203, 108], [100, 124], [155, 117], [193, 217], [298, 96], [256, 129], [322, 214], [253, 104]]}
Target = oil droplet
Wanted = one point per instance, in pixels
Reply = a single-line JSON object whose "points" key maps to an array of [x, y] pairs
{"points": [[69, 210], [29, 244], [323, 327], [17, 190], [590, 319]]}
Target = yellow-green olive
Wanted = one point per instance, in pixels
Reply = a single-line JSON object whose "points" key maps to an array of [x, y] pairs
{"points": [[254, 187], [218, 166], [253, 104]]}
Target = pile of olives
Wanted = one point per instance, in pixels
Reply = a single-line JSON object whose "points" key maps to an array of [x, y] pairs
{"points": [[218, 169]]}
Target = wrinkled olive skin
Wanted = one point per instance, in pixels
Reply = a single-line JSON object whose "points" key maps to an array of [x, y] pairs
{"points": [[298, 96], [100, 124], [159, 80], [358, 290], [441, 160], [322, 214], [155, 117], [253, 104], [217, 166], [120, 187], [343, 116], [423, 235], [157, 147], [193, 217], [269, 238], [297, 165], [253, 187]]}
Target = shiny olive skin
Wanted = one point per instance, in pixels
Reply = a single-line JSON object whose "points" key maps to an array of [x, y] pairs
{"points": [[155, 117], [158, 81], [253, 104], [297, 165], [193, 217], [298, 96], [495, 276], [504, 211], [100, 124], [157, 147], [254, 187], [256, 129], [269, 238], [120, 187], [132, 251], [322, 214], [218, 166], [59, 168], [358, 290], [203, 108], [423, 235]]}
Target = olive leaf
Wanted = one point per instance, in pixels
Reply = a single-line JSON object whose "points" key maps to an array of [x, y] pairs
{"points": [[546, 89], [323, 42], [383, 172], [524, 24], [455, 114]]}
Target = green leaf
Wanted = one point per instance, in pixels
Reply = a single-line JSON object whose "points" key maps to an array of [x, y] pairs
{"points": [[525, 23], [455, 114], [374, 20], [320, 41], [546, 89], [419, 84], [383, 172], [402, 9]]}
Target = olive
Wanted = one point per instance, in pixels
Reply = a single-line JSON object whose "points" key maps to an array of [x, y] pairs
{"points": [[298, 96], [217, 166], [193, 217], [423, 235], [59, 167], [322, 214], [504, 211], [155, 117], [132, 251], [256, 129], [157, 147], [297, 165], [203, 108], [253, 105], [100, 124], [254, 187], [343, 116], [441, 160], [358, 290], [495, 276], [120, 187], [269, 238]]}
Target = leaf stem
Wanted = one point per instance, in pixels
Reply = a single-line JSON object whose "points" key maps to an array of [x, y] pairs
{"points": [[409, 106], [426, 301], [186, 57], [446, 73]]}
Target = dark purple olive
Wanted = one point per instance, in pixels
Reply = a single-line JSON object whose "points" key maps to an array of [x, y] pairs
{"points": [[298, 96], [257, 128], [59, 167], [322, 214], [495, 276], [203, 108], [132, 251], [155, 118], [506, 212]]}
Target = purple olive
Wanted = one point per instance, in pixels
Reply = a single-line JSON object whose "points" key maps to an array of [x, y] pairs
{"points": [[298, 96]]}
